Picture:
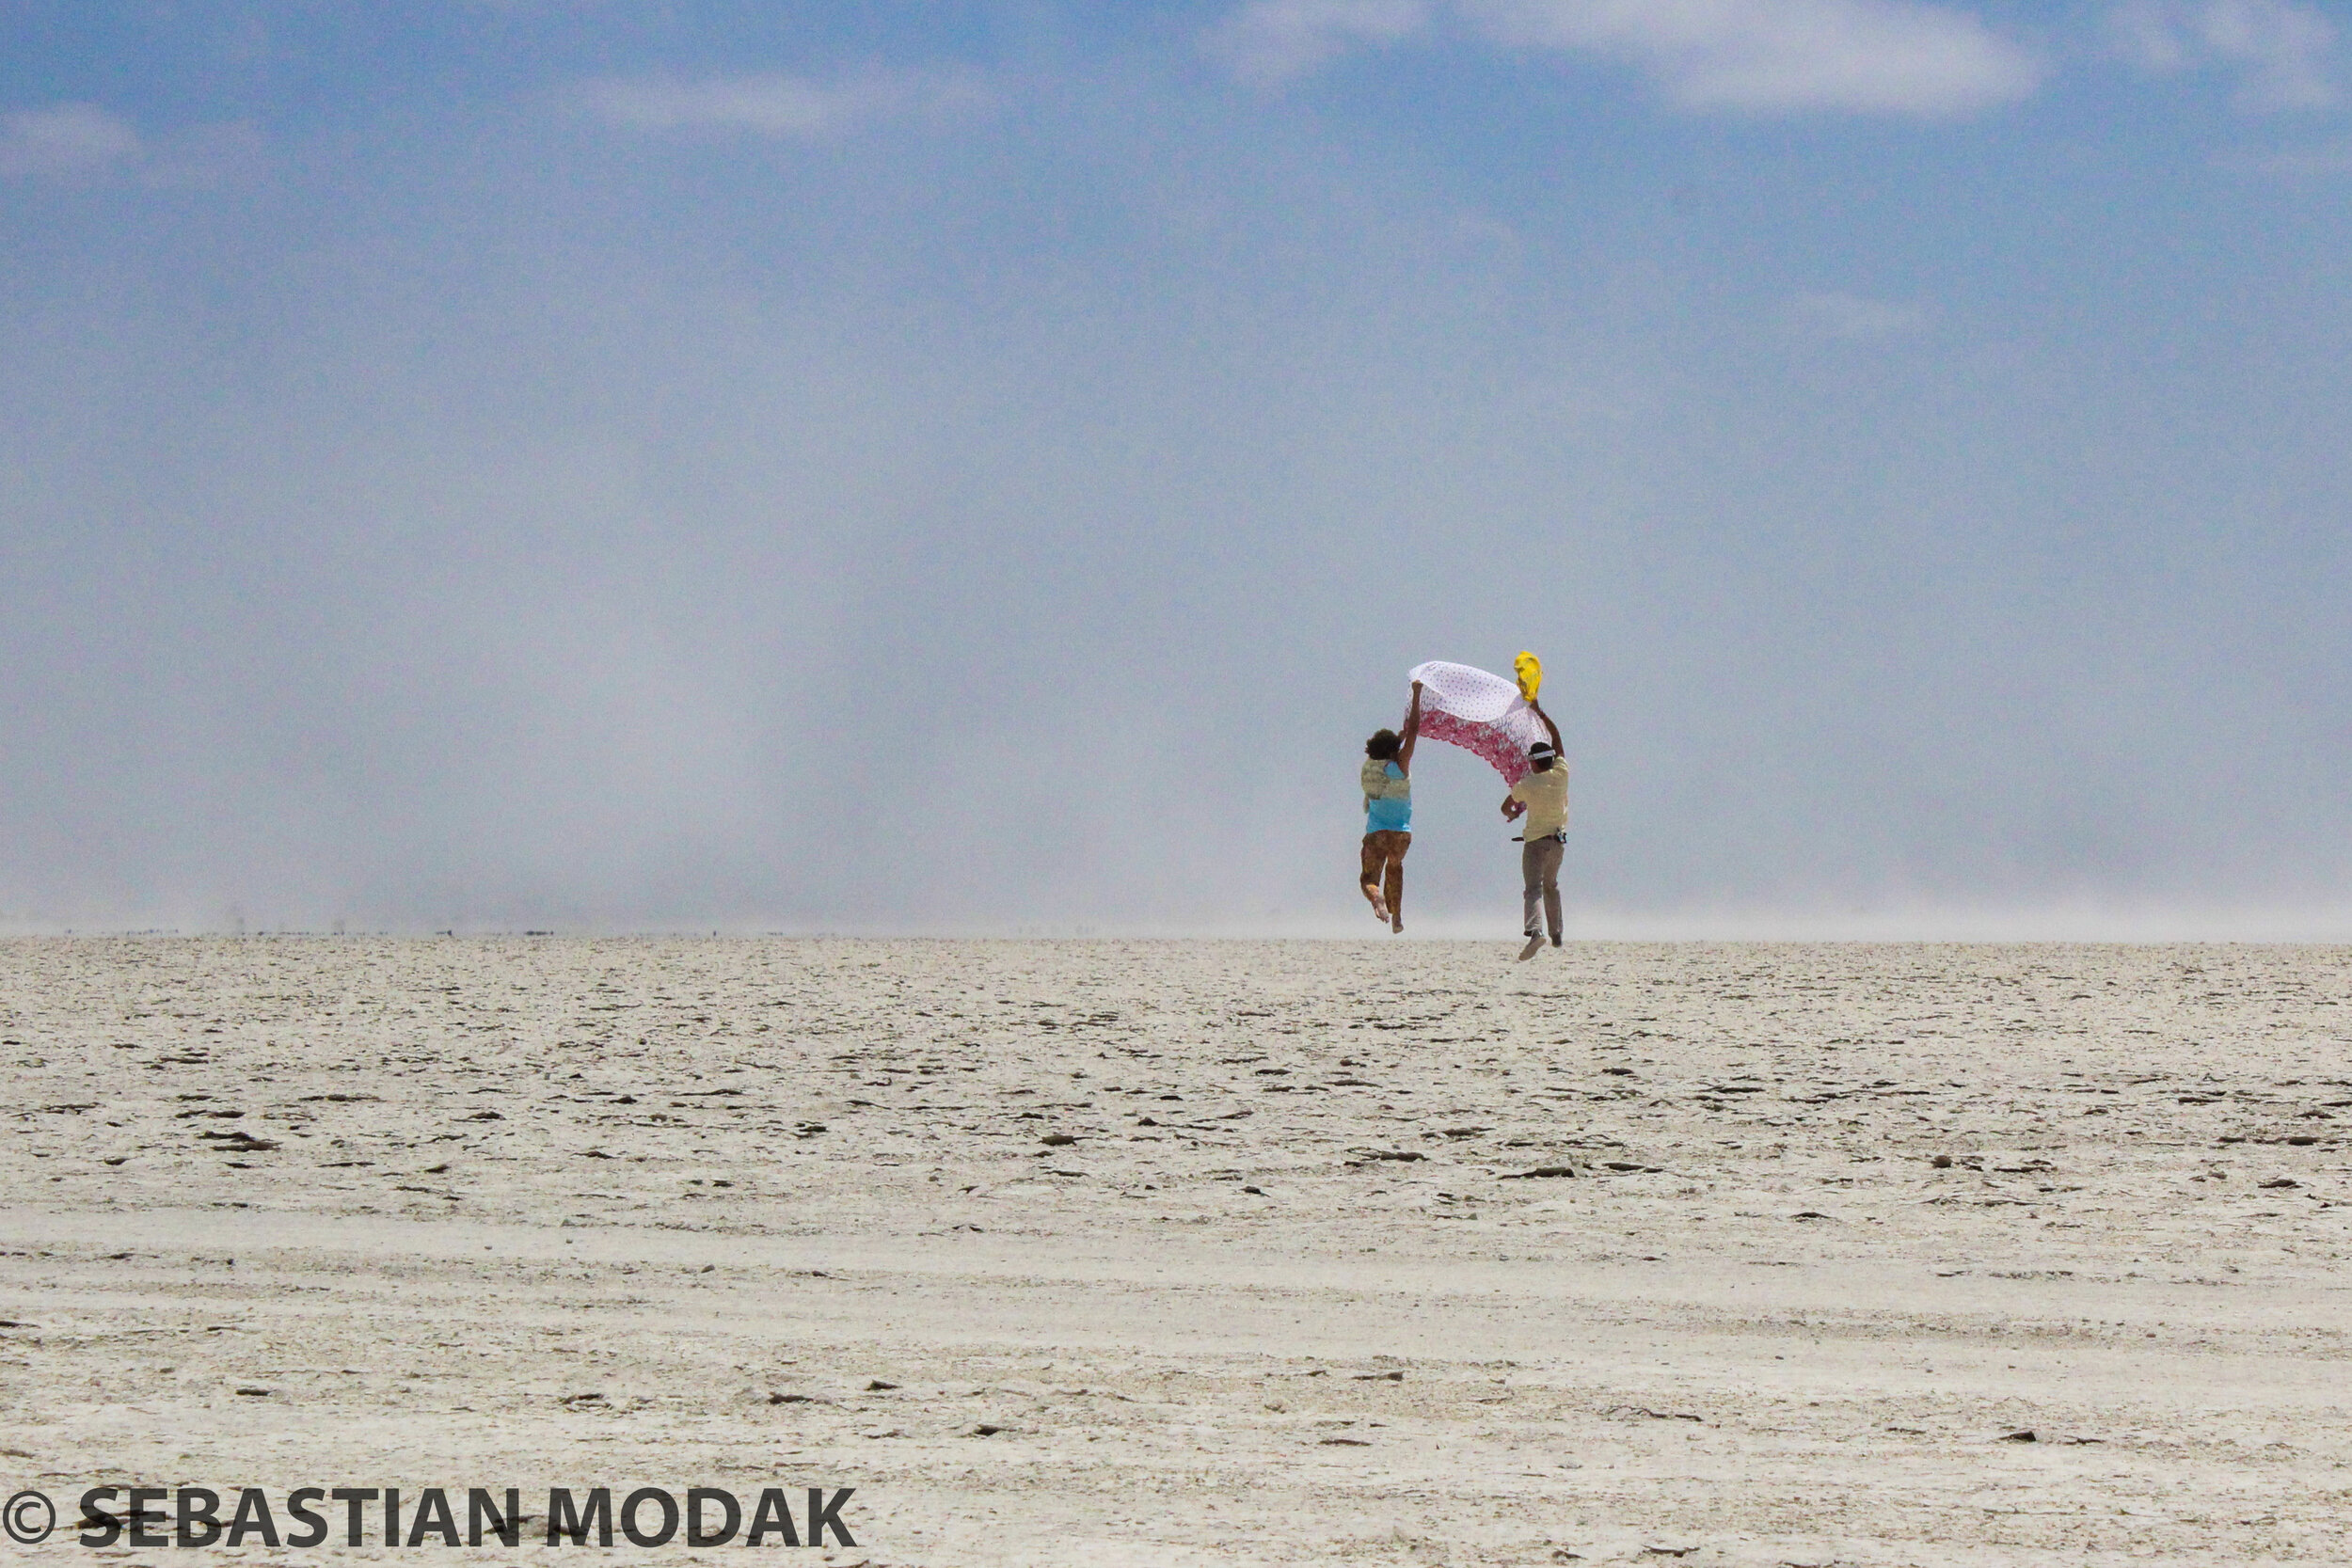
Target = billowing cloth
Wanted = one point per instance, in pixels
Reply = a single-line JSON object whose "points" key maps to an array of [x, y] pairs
{"points": [[1481, 713]]}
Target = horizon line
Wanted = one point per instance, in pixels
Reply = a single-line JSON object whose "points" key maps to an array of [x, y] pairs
{"points": [[2058, 926]]}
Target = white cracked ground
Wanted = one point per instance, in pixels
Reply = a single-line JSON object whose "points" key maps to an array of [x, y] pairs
{"points": [[1166, 1252]]}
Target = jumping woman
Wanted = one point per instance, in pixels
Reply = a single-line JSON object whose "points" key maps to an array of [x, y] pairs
{"points": [[1388, 815]]}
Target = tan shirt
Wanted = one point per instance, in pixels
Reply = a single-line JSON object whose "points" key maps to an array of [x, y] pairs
{"points": [[1546, 797]]}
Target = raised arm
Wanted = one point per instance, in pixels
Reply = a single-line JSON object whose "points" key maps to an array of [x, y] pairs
{"points": [[1411, 733], [1537, 708]]}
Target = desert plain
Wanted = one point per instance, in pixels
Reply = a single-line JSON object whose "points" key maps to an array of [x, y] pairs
{"points": [[1114, 1253]]}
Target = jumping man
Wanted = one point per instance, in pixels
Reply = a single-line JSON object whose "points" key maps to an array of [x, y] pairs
{"points": [[1542, 799]]}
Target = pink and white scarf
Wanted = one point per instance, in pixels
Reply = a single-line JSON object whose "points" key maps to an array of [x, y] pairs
{"points": [[1483, 714]]}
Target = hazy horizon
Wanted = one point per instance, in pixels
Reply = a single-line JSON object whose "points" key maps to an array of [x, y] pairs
{"points": [[2060, 926], [986, 467]]}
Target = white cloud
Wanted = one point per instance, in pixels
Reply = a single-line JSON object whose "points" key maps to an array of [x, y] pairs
{"points": [[1854, 317], [64, 139], [2282, 53], [1271, 41], [772, 104], [1885, 56]]}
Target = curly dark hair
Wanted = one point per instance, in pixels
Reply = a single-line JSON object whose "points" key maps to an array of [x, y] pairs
{"points": [[1383, 745]]}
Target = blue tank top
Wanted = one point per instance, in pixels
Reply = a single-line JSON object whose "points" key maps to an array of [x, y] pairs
{"points": [[1392, 810]]}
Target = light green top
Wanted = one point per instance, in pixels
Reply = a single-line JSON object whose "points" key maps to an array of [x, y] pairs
{"points": [[1546, 797]]}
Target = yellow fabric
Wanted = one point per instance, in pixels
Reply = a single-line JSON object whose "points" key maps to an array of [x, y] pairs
{"points": [[1546, 797], [1531, 673]]}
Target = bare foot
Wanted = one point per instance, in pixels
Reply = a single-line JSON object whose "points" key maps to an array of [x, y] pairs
{"points": [[1397, 925], [1379, 909]]}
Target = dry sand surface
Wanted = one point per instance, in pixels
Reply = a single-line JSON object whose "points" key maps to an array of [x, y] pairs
{"points": [[1165, 1253]]}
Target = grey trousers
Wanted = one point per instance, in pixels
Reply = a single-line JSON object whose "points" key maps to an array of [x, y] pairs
{"points": [[1540, 867]]}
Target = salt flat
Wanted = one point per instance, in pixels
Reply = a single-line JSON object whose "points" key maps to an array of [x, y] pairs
{"points": [[1246, 1253]]}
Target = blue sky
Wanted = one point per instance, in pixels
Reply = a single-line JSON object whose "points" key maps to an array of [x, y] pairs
{"points": [[987, 465]]}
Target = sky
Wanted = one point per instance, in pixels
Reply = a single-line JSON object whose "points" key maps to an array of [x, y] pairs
{"points": [[985, 466]]}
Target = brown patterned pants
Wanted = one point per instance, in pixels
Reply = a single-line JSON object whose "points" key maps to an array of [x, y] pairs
{"points": [[1384, 870]]}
